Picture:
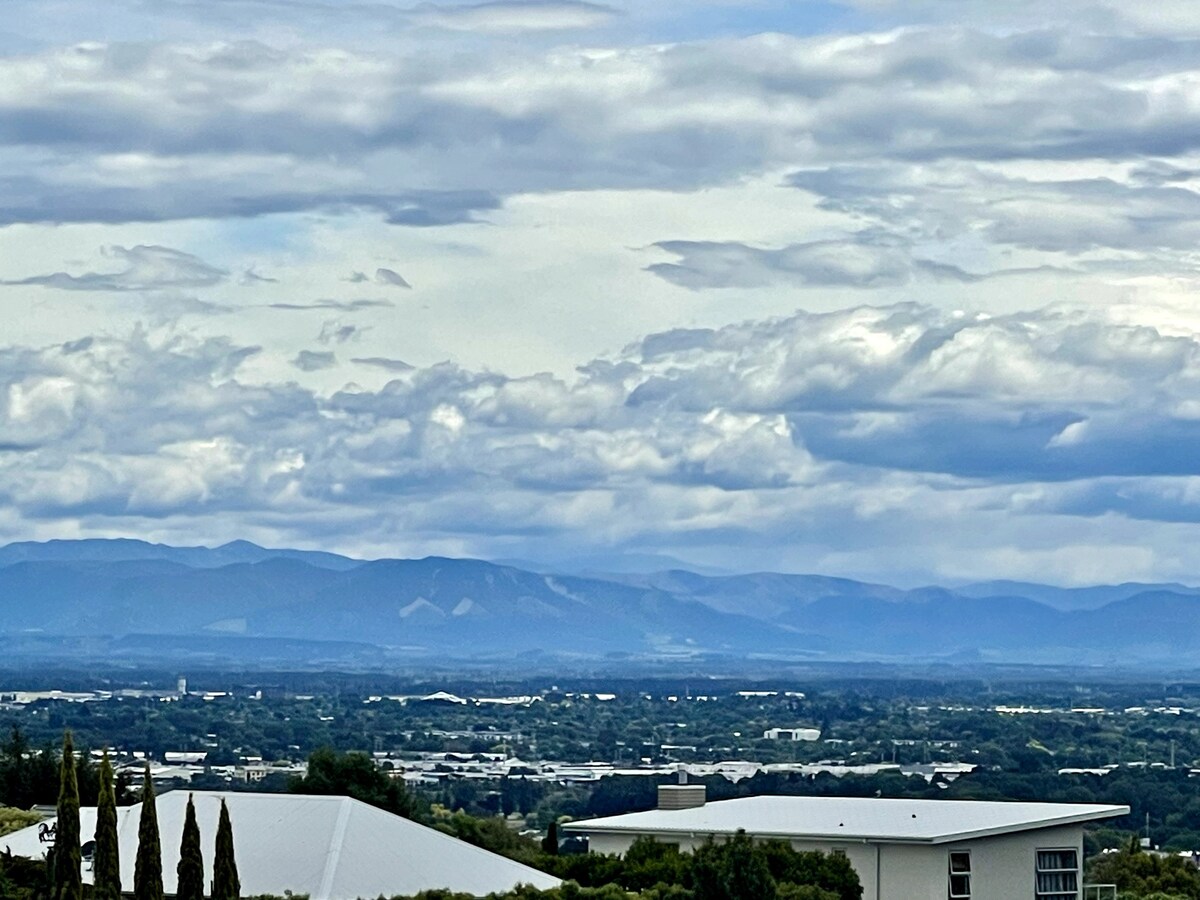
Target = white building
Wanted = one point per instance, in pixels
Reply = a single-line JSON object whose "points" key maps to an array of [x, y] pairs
{"points": [[329, 848], [792, 734], [901, 849]]}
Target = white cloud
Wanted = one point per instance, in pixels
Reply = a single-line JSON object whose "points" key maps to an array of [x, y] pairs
{"points": [[785, 438], [147, 268], [510, 16]]}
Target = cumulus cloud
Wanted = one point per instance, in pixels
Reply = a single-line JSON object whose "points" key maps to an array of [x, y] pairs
{"points": [[849, 427], [230, 129], [147, 268]]}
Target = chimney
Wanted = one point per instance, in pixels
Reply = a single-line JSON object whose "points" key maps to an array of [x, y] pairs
{"points": [[682, 795]]}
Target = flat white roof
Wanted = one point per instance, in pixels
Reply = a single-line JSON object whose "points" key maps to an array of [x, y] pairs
{"points": [[330, 848], [852, 819]]}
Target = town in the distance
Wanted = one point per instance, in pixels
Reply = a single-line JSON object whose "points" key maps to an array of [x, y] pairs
{"points": [[658, 772]]}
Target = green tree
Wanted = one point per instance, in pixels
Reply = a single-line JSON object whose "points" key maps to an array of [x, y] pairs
{"points": [[106, 859], [550, 841], [190, 871], [353, 775], [147, 870], [745, 873], [1141, 873], [68, 879], [225, 874]]}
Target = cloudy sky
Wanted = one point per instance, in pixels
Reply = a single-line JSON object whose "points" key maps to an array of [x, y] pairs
{"points": [[895, 290]]}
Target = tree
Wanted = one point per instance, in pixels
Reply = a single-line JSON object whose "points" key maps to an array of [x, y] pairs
{"points": [[106, 859], [190, 872], [147, 869], [68, 879], [1145, 873], [745, 874], [353, 775], [225, 884], [550, 841]]}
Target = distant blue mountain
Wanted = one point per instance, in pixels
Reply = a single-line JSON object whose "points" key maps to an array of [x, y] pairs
{"points": [[125, 550], [188, 601]]}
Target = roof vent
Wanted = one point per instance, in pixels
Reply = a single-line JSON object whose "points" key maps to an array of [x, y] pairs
{"points": [[681, 796]]}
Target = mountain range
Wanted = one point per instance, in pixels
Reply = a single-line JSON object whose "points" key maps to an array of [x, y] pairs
{"points": [[132, 598]]}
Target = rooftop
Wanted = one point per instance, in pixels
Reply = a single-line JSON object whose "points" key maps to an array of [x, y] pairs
{"points": [[330, 848], [852, 819]]}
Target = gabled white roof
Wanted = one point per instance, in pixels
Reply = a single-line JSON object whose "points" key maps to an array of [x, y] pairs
{"points": [[852, 819], [331, 848]]}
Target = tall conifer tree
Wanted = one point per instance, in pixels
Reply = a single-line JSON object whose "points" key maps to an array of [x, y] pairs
{"points": [[190, 871], [106, 860], [68, 880], [225, 874], [147, 870]]}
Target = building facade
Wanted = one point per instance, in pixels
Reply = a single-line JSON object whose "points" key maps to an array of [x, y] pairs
{"points": [[901, 849]]}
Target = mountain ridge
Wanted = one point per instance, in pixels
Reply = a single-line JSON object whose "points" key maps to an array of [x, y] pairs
{"points": [[475, 608]]}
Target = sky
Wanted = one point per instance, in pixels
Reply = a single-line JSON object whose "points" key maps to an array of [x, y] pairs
{"points": [[900, 291]]}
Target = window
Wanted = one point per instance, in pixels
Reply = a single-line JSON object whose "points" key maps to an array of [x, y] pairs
{"points": [[1057, 876], [960, 875]]}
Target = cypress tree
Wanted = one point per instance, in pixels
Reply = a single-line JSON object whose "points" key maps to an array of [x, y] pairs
{"points": [[225, 874], [68, 880], [190, 871], [147, 870], [106, 861]]}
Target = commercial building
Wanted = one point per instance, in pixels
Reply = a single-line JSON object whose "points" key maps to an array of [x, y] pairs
{"points": [[901, 849]]}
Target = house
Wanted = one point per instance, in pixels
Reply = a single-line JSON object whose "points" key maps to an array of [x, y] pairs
{"points": [[329, 848], [901, 849]]}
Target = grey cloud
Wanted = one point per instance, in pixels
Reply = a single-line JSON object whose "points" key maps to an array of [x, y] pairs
{"points": [[382, 362], [864, 261], [340, 333], [250, 276], [147, 268], [356, 278], [314, 361], [338, 305], [390, 277], [1155, 215], [563, 120]]}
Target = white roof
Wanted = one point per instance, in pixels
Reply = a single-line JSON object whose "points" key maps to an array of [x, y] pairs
{"points": [[330, 848], [852, 819]]}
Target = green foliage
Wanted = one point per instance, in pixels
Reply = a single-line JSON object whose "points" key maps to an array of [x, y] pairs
{"points": [[106, 859], [550, 841], [15, 819], [21, 878], [804, 892], [68, 879], [190, 871], [354, 775], [830, 872], [718, 870], [26, 777], [226, 885], [491, 834], [147, 871], [1143, 874]]}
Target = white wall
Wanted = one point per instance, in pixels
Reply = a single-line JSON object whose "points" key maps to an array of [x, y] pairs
{"points": [[1002, 867]]}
